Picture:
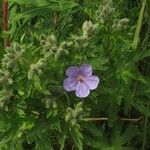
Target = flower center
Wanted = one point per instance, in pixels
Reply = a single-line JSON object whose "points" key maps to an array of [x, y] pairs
{"points": [[80, 78]]}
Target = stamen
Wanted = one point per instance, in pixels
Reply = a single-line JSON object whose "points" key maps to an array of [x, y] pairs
{"points": [[80, 78]]}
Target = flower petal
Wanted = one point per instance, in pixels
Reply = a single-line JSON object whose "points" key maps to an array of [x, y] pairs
{"points": [[82, 90], [70, 84], [86, 70], [72, 71], [92, 82]]}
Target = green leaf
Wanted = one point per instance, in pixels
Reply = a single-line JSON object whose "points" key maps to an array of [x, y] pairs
{"points": [[94, 137], [77, 136], [129, 133], [98, 63], [120, 140], [28, 2], [62, 139], [141, 55], [65, 5], [4, 125]]}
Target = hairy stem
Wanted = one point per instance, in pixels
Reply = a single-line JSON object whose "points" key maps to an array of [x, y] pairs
{"points": [[105, 119]]}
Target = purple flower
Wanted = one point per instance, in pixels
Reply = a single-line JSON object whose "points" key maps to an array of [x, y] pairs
{"points": [[81, 80]]}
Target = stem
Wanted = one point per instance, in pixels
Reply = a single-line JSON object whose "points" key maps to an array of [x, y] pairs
{"points": [[145, 130], [68, 100], [5, 22], [105, 119], [139, 25]]}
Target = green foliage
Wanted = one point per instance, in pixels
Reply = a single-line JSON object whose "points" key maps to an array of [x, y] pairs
{"points": [[48, 36]]}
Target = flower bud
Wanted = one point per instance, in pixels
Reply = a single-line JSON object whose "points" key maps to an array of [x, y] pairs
{"points": [[124, 21], [73, 121], [52, 39], [48, 103], [63, 45], [67, 117], [87, 26], [54, 105], [69, 44]]}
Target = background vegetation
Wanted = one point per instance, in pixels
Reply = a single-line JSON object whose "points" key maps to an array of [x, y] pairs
{"points": [[48, 36]]}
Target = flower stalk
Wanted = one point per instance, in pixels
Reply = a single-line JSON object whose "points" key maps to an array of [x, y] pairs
{"points": [[105, 119], [5, 22]]}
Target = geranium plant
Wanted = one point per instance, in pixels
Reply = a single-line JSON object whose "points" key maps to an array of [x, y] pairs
{"points": [[75, 75]]}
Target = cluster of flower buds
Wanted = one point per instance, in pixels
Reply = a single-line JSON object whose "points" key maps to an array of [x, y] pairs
{"points": [[5, 95], [105, 10], [88, 28], [62, 50], [5, 78], [75, 114], [120, 24], [49, 45], [14, 53], [36, 69], [51, 48]]}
